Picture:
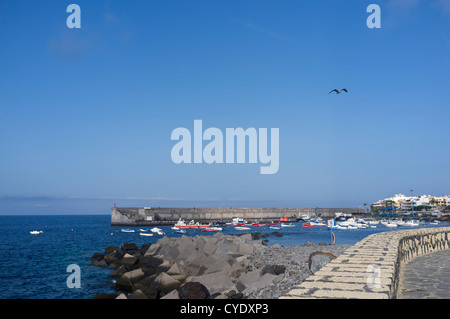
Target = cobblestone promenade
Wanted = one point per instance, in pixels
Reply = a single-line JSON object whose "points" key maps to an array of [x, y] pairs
{"points": [[426, 277], [373, 268]]}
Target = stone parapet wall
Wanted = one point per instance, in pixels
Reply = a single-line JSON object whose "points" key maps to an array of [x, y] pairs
{"points": [[370, 269]]}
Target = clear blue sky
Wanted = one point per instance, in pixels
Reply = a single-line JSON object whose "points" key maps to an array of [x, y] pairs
{"points": [[86, 114]]}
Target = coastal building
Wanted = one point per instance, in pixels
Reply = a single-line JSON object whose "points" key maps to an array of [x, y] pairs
{"points": [[441, 201], [402, 202]]}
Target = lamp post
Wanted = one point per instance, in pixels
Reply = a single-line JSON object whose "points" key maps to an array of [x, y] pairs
{"points": [[412, 201]]}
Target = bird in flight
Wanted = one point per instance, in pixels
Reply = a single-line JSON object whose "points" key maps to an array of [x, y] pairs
{"points": [[338, 92]]}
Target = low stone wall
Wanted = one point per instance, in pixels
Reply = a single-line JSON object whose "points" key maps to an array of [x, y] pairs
{"points": [[371, 268]]}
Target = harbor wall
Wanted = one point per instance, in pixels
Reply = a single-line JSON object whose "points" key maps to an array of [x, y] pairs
{"points": [[140, 216], [371, 268]]}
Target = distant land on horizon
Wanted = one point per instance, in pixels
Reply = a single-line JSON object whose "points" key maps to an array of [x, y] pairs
{"points": [[43, 205]]}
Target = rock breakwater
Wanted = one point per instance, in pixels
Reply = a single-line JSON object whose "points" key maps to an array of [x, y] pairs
{"points": [[218, 266]]}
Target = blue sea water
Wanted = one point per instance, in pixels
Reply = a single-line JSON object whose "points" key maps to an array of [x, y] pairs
{"points": [[35, 266]]}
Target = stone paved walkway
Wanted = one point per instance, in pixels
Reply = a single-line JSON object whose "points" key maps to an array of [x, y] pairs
{"points": [[426, 277]]}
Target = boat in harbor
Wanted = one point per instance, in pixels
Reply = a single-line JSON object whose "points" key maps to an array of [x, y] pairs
{"points": [[192, 224], [243, 225], [241, 228], [36, 232], [411, 223], [258, 225], [146, 234], [212, 229], [303, 218], [317, 223], [284, 219], [391, 225], [287, 225], [157, 231], [237, 220], [127, 230]]}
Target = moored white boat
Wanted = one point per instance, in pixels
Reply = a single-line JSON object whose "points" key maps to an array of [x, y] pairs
{"points": [[399, 222], [212, 229], [317, 223], [391, 225], [181, 224], [127, 230], [36, 232], [287, 225], [146, 234], [411, 223], [242, 228], [157, 231], [237, 220]]}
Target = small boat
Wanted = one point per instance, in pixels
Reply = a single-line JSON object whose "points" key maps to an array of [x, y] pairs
{"points": [[157, 231], [243, 224], [180, 231], [399, 222], [237, 220], [36, 232], [143, 229], [241, 228], [317, 223], [391, 225], [287, 225], [411, 223], [181, 224], [258, 225], [284, 219], [146, 234], [308, 225], [212, 229], [274, 227], [127, 230]]}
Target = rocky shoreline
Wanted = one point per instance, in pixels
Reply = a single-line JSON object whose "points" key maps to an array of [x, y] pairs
{"points": [[214, 267]]}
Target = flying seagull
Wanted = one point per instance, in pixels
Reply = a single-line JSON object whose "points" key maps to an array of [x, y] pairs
{"points": [[338, 92]]}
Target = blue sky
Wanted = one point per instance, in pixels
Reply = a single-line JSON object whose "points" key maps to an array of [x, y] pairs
{"points": [[86, 114]]}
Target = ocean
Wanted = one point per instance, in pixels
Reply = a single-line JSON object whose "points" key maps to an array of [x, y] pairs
{"points": [[36, 266]]}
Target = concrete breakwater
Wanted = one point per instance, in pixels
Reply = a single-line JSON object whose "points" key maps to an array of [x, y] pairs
{"points": [[214, 267], [141, 216], [371, 268]]}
